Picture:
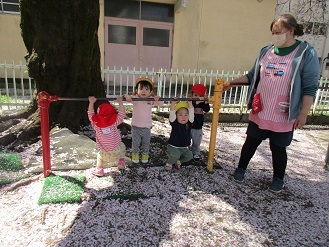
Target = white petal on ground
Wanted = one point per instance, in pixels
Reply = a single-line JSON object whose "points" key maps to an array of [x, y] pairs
{"points": [[190, 207]]}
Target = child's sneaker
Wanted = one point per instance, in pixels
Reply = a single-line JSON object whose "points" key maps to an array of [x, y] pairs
{"points": [[98, 171], [122, 164], [168, 167], [135, 157], [196, 157], [145, 158], [178, 164]]}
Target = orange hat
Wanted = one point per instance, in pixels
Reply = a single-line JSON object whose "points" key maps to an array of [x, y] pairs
{"points": [[199, 89], [106, 115]]}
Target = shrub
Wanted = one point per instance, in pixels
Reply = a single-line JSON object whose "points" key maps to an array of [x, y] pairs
{"points": [[10, 162]]}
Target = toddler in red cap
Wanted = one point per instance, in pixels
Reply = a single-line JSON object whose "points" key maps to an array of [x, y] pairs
{"points": [[200, 107], [108, 138]]}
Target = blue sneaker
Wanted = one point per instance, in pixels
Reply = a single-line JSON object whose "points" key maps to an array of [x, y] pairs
{"points": [[277, 185], [239, 174]]}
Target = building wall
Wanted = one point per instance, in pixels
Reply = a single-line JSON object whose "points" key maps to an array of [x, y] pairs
{"points": [[221, 34], [208, 35], [187, 28], [12, 48]]}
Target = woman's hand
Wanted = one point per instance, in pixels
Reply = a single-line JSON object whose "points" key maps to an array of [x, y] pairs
{"points": [[302, 117], [300, 121]]}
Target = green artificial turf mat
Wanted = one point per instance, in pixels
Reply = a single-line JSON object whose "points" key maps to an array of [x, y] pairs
{"points": [[57, 189]]}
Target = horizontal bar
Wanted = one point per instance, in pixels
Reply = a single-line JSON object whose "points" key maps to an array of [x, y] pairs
{"points": [[133, 99], [238, 84]]}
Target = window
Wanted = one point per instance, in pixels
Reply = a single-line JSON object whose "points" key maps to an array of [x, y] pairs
{"points": [[322, 29], [122, 34], [132, 9], [156, 37], [9, 6], [122, 9], [315, 28], [157, 12]]}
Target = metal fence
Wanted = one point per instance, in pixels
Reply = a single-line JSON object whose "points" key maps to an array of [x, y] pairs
{"points": [[16, 87]]}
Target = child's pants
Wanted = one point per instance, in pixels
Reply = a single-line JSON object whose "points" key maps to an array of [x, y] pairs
{"points": [[111, 158], [196, 135], [183, 154], [140, 136]]}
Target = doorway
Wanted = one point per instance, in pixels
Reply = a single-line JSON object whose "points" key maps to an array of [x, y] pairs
{"points": [[138, 35]]}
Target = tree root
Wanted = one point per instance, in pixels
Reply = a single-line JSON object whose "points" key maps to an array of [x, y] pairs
{"points": [[22, 182], [20, 132]]}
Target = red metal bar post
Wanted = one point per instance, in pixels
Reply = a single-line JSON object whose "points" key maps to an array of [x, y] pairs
{"points": [[44, 100]]}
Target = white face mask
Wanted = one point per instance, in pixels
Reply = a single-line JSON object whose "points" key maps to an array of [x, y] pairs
{"points": [[278, 40]]}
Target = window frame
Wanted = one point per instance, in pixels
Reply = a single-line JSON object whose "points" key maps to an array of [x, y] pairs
{"points": [[9, 2]]}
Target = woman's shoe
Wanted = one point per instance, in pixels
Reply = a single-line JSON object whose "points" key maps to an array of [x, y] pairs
{"points": [[277, 185], [239, 174]]}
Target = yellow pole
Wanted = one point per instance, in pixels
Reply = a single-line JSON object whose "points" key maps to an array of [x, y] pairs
{"points": [[216, 100]]}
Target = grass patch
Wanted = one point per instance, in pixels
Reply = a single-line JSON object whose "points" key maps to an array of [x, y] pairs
{"points": [[10, 162], [11, 167], [58, 189]]}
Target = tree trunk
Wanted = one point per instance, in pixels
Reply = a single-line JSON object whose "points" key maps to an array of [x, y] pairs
{"points": [[63, 54], [64, 59]]}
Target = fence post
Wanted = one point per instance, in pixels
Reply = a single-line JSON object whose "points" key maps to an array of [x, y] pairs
{"points": [[44, 100], [160, 82], [317, 97]]}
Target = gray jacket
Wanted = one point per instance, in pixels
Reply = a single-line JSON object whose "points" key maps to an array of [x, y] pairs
{"points": [[304, 81]]}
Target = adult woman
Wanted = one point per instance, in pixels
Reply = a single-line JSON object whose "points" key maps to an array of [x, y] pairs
{"points": [[283, 84]]}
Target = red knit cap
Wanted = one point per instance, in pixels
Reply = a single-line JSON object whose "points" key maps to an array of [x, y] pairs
{"points": [[199, 89], [106, 115]]}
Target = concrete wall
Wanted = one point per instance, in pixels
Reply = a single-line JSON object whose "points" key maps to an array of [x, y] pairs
{"points": [[208, 34], [221, 34], [12, 47]]}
